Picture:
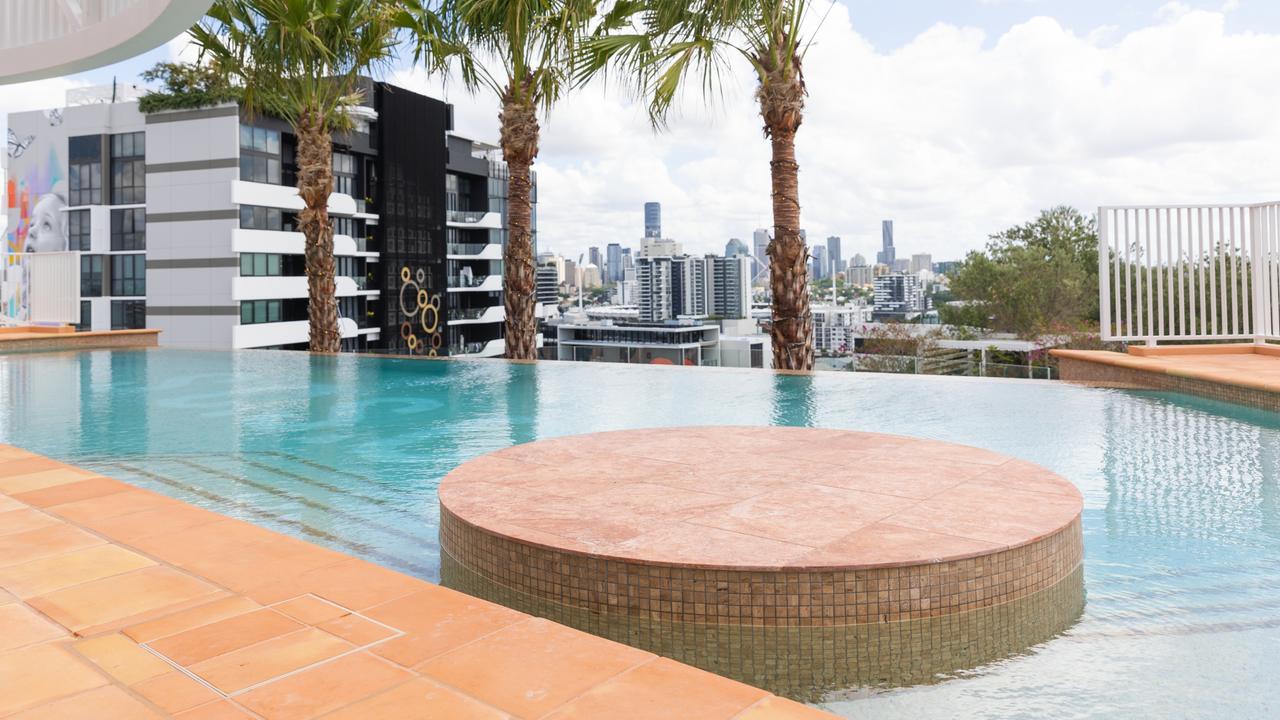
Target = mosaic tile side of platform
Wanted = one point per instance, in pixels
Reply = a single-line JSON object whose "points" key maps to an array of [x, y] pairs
{"points": [[790, 597], [1104, 375], [810, 662]]}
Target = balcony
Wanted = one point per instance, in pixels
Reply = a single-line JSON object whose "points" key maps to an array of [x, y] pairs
{"points": [[474, 251], [477, 316], [474, 219], [475, 283]]}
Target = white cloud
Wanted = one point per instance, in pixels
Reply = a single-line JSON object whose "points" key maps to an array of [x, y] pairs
{"points": [[954, 136]]}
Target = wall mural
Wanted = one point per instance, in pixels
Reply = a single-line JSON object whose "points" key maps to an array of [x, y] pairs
{"points": [[35, 202], [420, 313]]}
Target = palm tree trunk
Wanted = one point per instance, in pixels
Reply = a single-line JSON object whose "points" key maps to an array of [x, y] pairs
{"points": [[519, 137], [315, 181], [781, 105]]}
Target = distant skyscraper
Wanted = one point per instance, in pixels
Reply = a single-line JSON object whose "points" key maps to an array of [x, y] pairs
{"points": [[818, 263], [921, 261], [858, 260], [886, 255], [613, 262], [899, 297], [593, 256], [833, 253], [735, 247], [760, 254], [653, 219]]}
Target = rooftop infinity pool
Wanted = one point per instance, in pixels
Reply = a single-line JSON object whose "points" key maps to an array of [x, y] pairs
{"points": [[1182, 496]]}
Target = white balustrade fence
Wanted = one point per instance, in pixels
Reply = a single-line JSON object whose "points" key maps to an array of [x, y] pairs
{"points": [[40, 287], [1189, 272]]}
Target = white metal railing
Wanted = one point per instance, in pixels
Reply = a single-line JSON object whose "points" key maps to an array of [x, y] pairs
{"points": [[40, 287], [1189, 272]]}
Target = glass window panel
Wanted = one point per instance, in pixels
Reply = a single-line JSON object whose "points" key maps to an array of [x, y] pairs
{"points": [[246, 309], [246, 137], [273, 311], [273, 264]]}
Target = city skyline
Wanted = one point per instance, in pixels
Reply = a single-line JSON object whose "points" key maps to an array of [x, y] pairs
{"points": [[976, 163]]}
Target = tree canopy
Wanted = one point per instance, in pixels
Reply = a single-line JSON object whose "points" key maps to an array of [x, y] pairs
{"points": [[1031, 279]]}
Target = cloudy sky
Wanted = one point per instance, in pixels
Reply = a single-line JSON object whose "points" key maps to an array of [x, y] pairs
{"points": [[955, 118]]}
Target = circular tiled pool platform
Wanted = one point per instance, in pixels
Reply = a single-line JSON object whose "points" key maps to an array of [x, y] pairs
{"points": [[795, 559]]}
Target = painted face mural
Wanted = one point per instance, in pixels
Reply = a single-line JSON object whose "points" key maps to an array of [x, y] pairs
{"points": [[47, 231]]}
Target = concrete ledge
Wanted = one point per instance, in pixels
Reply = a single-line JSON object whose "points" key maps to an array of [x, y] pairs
{"points": [[49, 340]]}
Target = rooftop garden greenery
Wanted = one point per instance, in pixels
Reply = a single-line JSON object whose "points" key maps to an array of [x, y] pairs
{"points": [[186, 86]]}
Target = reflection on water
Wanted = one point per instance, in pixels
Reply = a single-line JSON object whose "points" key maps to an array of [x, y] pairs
{"points": [[1181, 525]]}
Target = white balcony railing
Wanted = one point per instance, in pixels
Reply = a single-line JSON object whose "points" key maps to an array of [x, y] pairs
{"points": [[1189, 272]]}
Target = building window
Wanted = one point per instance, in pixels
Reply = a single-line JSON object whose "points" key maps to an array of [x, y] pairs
{"points": [[129, 229], [259, 264], [253, 312], [128, 168], [351, 267], [128, 275], [259, 155], [344, 174], [128, 314], [255, 217], [84, 170], [86, 316], [351, 227], [91, 276], [78, 230]]}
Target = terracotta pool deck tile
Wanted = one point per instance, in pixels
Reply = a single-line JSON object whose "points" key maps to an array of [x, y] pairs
{"points": [[776, 708], [221, 710], [310, 610], [28, 465], [104, 702], [662, 688], [886, 544], [692, 545], [72, 492], [357, 630], [131, 527], [174, 692], [176, 586], [783, 523], [646, 497], [419, 699], [122, 658], [437, 620], [102, 604], [46, 575], [351, 583], [23, 520], [7, 503], [112, 504], [40, 674], [22, 627], [39, 480], [532, 667], [967, 511], [324, 688], [203, 614], [223, 636], [42, 543], [240, 669], [928, 476]]}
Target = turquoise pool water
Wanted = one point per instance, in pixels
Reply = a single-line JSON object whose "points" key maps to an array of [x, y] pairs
{"points": [[1182, 496]]}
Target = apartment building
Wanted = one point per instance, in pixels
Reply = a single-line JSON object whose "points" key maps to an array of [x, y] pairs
{"points": [[186, 222]]}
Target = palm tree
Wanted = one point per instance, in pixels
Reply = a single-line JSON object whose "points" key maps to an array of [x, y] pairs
{"points": [[523, 52], [300, 61], [679, 39]]}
